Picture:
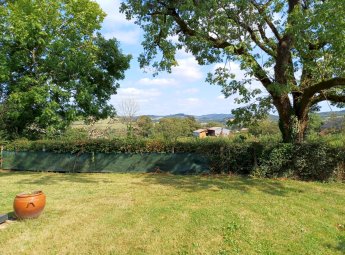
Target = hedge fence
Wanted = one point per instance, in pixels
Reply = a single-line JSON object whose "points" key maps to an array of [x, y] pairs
{"points": [[307, 161]]}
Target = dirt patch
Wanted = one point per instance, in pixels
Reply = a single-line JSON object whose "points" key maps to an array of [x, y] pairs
{"points": [[6, 224], [5, 171]]}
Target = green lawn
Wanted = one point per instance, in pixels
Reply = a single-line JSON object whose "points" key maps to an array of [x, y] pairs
{"points": [[165, 214]]}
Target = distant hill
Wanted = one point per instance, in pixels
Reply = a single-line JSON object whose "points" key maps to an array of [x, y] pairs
{"points": [[223, 117], [219, 117], [177, 115], [329, 114], [337, 121]]}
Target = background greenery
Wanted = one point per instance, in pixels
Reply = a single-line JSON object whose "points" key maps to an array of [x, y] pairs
{"points": [[315, 160]]}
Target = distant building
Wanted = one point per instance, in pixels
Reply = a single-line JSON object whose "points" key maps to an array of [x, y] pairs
{"points": [[201, 133], [218, 131], [213, 131]]}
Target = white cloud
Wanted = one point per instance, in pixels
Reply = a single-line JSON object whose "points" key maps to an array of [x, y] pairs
{"points": [[193, 100], [162, 82], [116, 25], [128, 37], [111, 8], [190, 102], [188, 69], [133, 92], [143, 97], [221, 97], [139, 95], [182, 53], [191, 91], [174, 38]]}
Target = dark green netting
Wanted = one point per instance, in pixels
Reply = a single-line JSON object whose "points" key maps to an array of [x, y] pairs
{"points": [[177, 163]]}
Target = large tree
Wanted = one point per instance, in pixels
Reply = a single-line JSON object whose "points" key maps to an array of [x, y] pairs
{"points": [[294, 48], [54, 66]]}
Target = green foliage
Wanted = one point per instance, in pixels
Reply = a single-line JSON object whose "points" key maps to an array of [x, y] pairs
{"points": [[315, 123], [275, 161], [214, 124], [53, 65], [264, 127], [73, 134], [320, 26], [145, 126], [316, 161], [270, 41], [172, 128], [225, 155], [334, 140]]}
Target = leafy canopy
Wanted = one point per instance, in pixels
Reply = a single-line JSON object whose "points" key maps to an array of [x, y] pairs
{"points": [[54, 66], [294, 48]]}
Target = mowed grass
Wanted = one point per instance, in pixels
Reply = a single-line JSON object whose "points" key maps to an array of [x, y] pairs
{"points": [[166, 214]]}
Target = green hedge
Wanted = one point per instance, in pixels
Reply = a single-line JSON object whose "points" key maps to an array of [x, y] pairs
{"points": [[307, 161]]}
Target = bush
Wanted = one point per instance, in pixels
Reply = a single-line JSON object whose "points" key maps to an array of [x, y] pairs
{"points": [[275, 161], [315, 161], [319, 161]]}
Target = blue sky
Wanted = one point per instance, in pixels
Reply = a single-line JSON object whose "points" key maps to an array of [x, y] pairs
{"points": [[182, 91]]}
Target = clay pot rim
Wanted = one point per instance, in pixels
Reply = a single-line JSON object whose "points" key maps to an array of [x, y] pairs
{"points": [[30, 194]]}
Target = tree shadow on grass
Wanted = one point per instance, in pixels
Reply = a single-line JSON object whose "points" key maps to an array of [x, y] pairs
{"points": [[243, 184], [341, 244], [49, 178]]}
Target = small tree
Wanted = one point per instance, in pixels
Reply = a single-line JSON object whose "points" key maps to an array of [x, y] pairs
{"points": [[191, 124], [128, 109], [173, 128], [145, 126], [170, 129]]}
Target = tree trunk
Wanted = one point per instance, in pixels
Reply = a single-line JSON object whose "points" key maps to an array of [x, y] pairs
{"points": [[293, 129]]}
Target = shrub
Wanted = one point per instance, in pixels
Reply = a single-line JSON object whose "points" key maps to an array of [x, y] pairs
{"points": [[275, 161], [315, 160]]}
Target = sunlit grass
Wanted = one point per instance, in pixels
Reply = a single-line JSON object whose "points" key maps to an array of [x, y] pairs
{"points": [[164, 214]]}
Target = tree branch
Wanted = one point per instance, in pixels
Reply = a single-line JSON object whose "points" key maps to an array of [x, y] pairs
{"points": [[185, 29], [336, 98], [328, 97], [266, 19], [309, 95], [323, 85], [264, 37], [253, 36], [259, 73]]}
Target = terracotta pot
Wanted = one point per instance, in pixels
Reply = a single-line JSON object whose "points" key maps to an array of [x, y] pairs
{"points": [[29, 205]]}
